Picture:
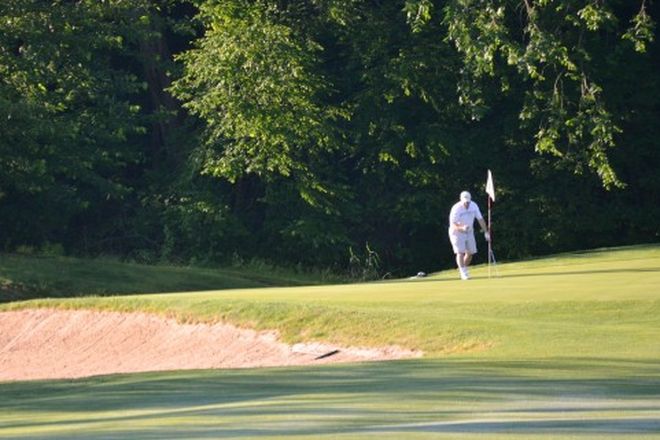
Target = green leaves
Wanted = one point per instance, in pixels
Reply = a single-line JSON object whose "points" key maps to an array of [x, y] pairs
{"points": [[596, 15], [418, 13], [66, 109], [254, 81], [553, 53], [640, 32]]}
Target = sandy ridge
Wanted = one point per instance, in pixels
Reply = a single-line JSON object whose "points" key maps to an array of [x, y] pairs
{"points": [[63, 344]]}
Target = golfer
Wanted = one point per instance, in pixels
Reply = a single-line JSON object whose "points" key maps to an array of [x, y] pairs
{"points": [[461, 231]]}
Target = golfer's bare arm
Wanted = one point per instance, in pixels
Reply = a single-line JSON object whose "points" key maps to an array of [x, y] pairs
{"points": [[483, 225]]}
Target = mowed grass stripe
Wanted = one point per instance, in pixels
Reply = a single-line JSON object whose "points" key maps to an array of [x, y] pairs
{"points": [[460, 398]]}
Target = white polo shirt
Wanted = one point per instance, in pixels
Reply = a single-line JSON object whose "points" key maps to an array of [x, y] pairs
{"points": [[464, 216]]}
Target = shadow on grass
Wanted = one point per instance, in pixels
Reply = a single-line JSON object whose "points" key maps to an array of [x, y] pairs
{"points": [[578, 272], [572, 396], [534, 273], [25, 277], [556, 427]]}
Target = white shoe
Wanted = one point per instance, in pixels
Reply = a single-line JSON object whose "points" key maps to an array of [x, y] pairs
{"points": [[464, 274]]}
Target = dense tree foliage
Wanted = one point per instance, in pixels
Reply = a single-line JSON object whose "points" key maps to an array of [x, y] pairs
{"points": [[325, 133], [67, 116]]}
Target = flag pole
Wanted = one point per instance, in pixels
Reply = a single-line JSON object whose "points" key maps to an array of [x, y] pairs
{"points": [[490, 190], [490, 242]]}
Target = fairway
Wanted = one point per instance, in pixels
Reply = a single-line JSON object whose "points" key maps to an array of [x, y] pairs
{"points": [[561, 347]]}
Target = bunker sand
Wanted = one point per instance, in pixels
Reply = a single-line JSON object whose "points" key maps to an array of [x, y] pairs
{"points": [[62, 344]]}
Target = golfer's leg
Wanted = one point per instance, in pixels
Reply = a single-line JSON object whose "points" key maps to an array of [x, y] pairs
{"points": [[462, 269], [470, 249], [459, 259]]}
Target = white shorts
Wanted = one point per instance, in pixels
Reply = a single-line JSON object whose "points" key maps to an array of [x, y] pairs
{"points": [[463, 242]]}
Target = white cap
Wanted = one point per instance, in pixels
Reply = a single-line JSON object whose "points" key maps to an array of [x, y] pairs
{"points": [[465, 196]]}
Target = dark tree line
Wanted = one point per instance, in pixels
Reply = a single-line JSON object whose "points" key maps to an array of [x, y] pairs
{"points": [[325, 133]]}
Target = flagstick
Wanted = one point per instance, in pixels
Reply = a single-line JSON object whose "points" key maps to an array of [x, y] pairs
{"points": [[490, 242]]}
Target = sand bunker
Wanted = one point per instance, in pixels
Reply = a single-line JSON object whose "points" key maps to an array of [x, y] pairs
{"points": [[59, 344]]}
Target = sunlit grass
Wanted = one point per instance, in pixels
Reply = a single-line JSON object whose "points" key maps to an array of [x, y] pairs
{"points": [[459, 398], [566, 347], [561, 306]]}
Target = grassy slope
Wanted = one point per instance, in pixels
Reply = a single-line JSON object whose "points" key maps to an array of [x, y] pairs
{"points": [[24, 277], [567, 347], [565, 305]]}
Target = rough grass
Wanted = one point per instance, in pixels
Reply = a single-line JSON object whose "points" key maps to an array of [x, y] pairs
{"points": [[24, 277], [565, 347]]}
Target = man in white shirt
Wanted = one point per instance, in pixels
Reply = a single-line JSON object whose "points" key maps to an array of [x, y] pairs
{"points": [[461, 231]]}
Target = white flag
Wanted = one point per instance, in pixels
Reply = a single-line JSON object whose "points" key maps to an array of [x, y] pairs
{"points": [[490, 186]]}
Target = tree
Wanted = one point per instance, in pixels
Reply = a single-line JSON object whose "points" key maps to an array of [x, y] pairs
{"points": [[67, 113], [255, 83], [556, 48]]}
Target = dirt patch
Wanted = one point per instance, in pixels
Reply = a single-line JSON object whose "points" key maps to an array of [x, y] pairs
{"points": [[59, 344]]}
